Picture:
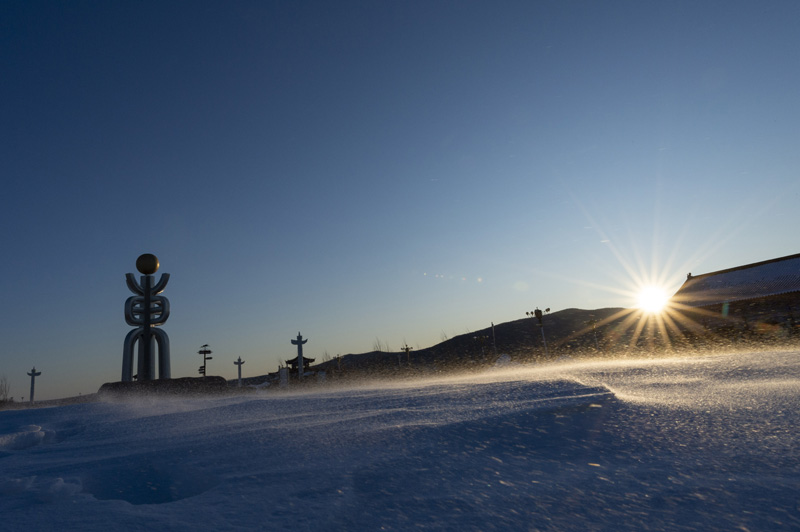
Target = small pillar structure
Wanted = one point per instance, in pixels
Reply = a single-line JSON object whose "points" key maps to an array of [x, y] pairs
{"points": [[239, 363], [300, 362], [205, 351], [145, 310], [33, 374]]}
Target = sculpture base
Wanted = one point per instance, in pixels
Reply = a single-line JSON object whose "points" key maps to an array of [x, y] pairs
{"points": [[181, 386]]}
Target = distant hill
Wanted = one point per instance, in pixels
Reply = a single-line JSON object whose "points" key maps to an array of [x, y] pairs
{"points": [[570, 332], [576, 333]]}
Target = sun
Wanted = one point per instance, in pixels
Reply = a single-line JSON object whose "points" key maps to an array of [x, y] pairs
{"points": [[643, 278], [652, 299]]}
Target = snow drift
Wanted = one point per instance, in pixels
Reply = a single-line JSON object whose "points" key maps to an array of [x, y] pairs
{"points": [[672, 444]]}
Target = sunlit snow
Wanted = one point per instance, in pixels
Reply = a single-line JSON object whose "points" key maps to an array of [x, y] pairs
{"points": [[692, 443]]}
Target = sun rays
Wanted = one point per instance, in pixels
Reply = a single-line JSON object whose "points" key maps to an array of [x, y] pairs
{"points": [[636, 329], [644, 274]]}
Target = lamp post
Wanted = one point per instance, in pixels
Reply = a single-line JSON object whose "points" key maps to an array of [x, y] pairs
{"points": [[538, 315], [205, 351]]}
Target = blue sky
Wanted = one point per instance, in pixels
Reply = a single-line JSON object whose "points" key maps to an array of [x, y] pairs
{"points": [[362, 170]]}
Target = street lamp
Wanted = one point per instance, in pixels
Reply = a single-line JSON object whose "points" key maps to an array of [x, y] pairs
{"points": [[538, 315], [205, 351]]}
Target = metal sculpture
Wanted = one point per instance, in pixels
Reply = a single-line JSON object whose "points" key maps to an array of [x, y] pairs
{"points": [[239, 363], [33, 373], [146, 310]]}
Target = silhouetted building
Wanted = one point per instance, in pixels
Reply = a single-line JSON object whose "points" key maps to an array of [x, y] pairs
{"points": [[766, 292], [293, 363]]}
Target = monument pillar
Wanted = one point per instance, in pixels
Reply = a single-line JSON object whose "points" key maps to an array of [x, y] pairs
{"points": [[33, 373], [239, 363], [146, 310], [299, 343]]}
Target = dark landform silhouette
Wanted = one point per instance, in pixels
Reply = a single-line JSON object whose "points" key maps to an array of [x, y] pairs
{"points": [[578, 334], [570, 334]]}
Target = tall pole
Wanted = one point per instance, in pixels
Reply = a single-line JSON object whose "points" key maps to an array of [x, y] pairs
{"points": [[33, 373]]}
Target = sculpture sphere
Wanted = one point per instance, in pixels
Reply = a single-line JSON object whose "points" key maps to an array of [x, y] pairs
{"points": [[147, 264]]}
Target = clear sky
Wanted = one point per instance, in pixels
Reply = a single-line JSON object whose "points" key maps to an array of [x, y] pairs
{"points": [[403, 171]]}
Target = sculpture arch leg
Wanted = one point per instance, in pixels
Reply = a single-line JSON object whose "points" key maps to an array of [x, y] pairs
{"points": [[146, 357], [127, 355], [141, 370], [151, 357], [163, 354]]}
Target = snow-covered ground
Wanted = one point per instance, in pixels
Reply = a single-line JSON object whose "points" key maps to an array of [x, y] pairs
{"points": [[699, 443]]}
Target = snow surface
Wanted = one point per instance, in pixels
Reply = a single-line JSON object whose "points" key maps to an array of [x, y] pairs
{"points": [[699, 443]]}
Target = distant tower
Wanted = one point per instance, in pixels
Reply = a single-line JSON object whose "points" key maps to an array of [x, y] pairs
{"points": [[239, 363], [33, 373], [146, 310]]}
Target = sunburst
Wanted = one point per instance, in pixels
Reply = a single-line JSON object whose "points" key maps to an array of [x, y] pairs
{"points": [[653, 317], [652, 299], [657, 320]]}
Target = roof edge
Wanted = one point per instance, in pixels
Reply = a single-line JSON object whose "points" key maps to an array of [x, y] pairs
{"points": [[744, 267]]}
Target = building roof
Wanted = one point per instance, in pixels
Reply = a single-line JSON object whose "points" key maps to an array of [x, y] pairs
{"points": [[294, 361], [761, 279]]}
